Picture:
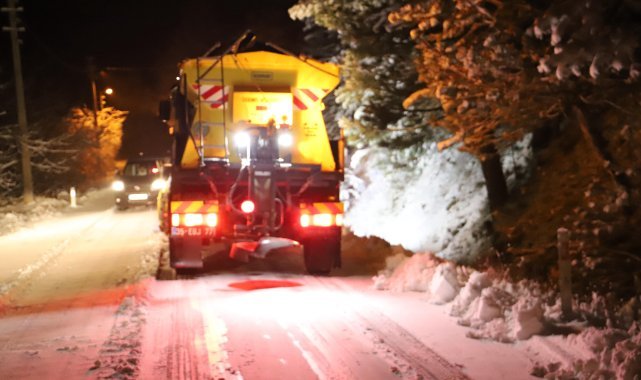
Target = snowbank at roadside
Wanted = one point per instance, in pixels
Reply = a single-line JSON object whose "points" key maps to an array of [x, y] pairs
{"points": [[17, 215], [496, 309]]}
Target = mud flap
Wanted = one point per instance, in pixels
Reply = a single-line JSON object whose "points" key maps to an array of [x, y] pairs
{"points": [[243, 250], [185, 253]]}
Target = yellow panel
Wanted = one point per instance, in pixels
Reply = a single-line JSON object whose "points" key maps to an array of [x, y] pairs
{"points": [[190, 156], [260, 72], [260, 107]]}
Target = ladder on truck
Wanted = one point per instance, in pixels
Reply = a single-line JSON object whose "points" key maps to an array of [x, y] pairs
{"points": [[202, 126], [221, 82]]}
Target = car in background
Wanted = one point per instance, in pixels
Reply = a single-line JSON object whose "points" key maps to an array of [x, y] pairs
{"points": [[139, 182]]}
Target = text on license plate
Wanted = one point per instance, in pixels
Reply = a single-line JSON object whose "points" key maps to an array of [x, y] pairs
{"points": [[138, 197], [193, 231]]}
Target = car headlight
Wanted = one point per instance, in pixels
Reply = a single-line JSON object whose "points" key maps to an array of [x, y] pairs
{"points": [[117, 185], [241, 139], [158, 184], [285, 139]]}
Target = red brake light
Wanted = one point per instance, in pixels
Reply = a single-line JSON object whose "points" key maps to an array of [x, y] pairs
{"points": [[321, 220], [247, 206]]}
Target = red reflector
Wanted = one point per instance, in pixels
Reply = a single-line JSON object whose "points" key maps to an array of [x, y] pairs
{"points": [[247, 206]]}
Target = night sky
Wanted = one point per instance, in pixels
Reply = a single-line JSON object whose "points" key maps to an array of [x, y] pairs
{"points": [[136, 46]]}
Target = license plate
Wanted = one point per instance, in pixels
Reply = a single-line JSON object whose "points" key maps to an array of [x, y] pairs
{"points": [[138, 197], [193, 231]]}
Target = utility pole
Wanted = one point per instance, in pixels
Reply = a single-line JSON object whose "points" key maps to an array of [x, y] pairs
{"points": [[13, 29], [94, 92]]}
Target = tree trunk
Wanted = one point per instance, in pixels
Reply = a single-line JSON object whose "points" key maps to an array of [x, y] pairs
{"points": [[494, 178], [599, 150]]}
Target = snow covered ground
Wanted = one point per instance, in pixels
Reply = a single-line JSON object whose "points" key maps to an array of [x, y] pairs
{"points": [[79, 299], [522, 315]]}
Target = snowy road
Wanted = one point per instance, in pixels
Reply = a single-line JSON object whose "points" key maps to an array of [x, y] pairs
{"points": [[78, 299], [278, 326]]}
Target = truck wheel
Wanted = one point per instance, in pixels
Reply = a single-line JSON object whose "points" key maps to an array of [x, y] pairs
{"points": [[320, 254]]}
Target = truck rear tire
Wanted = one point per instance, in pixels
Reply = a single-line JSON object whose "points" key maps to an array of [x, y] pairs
{"points": [[320, 254]]}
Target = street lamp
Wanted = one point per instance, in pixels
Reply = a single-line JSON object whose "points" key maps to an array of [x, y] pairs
{"points": [[103, 96]]}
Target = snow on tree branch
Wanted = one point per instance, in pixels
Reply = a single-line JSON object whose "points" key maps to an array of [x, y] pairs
{"points": [[49, 156], [98, 143], [590, 39], [8, 159], [471, 61], [376, 66]]}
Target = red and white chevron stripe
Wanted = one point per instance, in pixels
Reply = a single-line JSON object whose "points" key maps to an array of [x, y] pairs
{"points": [[213, 94], [304, 98]]}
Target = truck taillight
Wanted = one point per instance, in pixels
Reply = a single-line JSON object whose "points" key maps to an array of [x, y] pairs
{"points": [[211, 220], [194, 220], [305, 220], [321, 214], [194, 213], [321, 220]]}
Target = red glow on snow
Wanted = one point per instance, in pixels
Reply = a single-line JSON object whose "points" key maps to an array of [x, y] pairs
{"points": [[263, 284]]}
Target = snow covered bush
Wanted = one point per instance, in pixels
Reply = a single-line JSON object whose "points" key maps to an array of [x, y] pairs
{"points": [[425, 200], [421, 199]]}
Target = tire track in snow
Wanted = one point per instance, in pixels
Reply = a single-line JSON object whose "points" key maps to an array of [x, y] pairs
{"points": [[11, 290], [119, 356], [29, 271], [407, 356], [184, 338]]}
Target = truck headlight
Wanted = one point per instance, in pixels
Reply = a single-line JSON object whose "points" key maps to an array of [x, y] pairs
{"points": [[117, 185], [158, 184], [241, 139], [285, 139]]}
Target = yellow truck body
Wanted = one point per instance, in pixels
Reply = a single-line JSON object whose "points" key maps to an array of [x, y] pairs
{"points": [[253, 169]]}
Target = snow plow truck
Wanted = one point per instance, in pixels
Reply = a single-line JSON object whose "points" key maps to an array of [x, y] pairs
{"points": [[253, 169]]}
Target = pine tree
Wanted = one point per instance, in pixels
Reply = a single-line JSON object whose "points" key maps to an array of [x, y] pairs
{"points": [[500, 69], [377, 68]]}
